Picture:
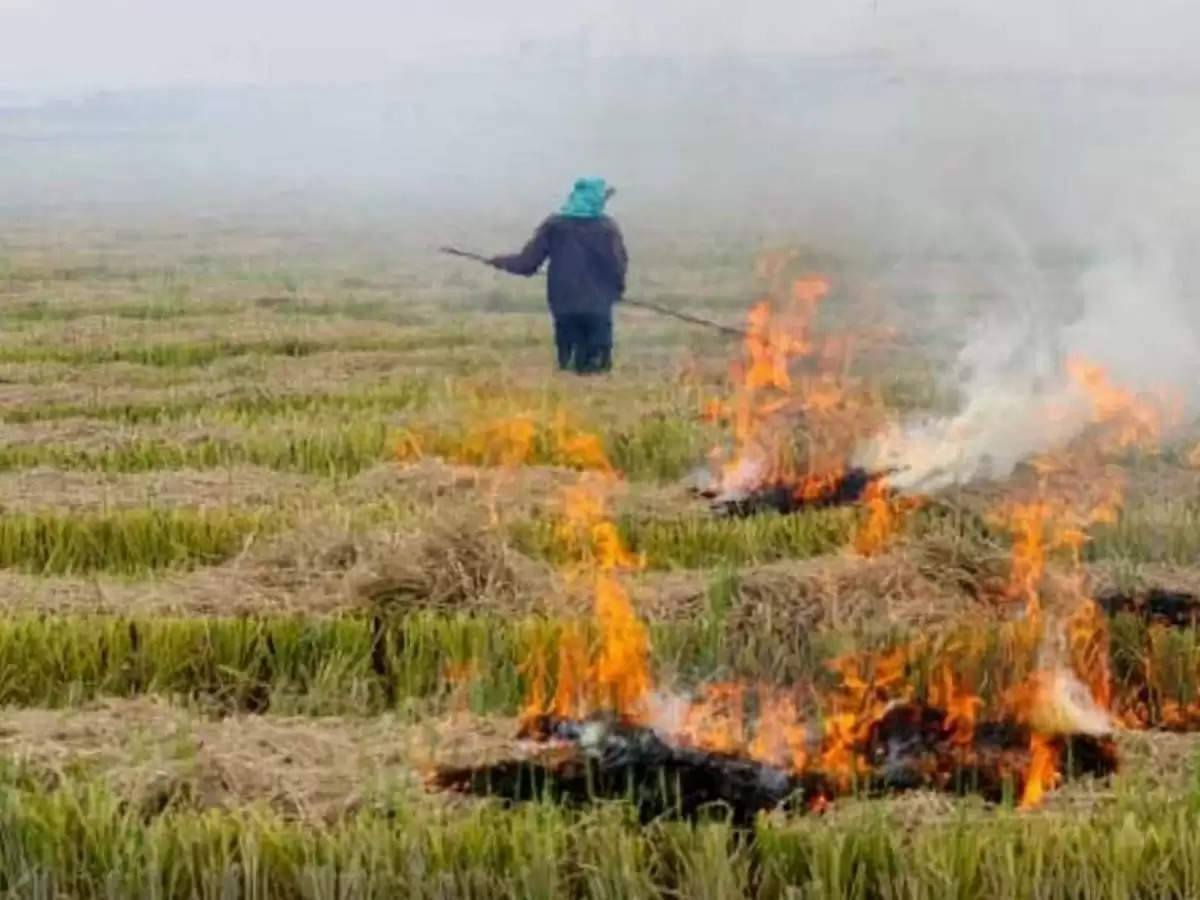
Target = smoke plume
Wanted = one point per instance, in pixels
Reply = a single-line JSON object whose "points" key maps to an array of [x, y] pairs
{"points": [[1018, 396]]}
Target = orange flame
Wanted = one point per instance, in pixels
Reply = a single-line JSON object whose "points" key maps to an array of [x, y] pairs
{"points": [[796, 414], [768, 724], [790, 427], [548, 438], [1131, 421], [569, 693], [961, 705], [1069, 689], [1075, 490], [618, 677], [622, 669], [869, 684], [886, 513], [781, 737], [1043, 772], [715, 722]]}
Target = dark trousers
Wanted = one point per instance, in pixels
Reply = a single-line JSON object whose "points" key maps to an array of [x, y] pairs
{"points": [[584, 341]]}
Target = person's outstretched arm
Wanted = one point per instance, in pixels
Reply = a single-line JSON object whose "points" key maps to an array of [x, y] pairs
{"points": [[531, 257]]}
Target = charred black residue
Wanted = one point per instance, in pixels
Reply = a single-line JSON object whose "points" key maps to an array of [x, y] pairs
{"points": [[846, 489], [911, 747], [1179, 609], [617, 760]]}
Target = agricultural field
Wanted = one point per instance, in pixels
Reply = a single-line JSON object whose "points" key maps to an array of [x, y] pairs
{"points": [[306, 549]]}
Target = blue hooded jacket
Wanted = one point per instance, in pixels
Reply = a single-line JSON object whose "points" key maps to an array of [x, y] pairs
{"points": [[588, 262]]}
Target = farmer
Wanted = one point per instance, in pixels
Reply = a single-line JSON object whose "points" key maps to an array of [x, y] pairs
{"points": [[586, 275]]}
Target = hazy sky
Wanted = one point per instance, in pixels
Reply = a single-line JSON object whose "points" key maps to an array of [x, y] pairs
{"points": [[95, 43]]}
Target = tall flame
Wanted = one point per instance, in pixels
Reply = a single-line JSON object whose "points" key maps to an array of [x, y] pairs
{"points": [[617, 676], [795, 413], [795, 417], [885, 514], [1075, 489]]}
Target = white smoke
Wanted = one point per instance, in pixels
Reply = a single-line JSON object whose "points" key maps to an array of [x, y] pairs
{"points": [[1066, 706], [1018, 398]]}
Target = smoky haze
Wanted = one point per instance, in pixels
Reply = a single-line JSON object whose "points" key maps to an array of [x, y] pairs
{"points": [[1045, 150], [856, 148]]}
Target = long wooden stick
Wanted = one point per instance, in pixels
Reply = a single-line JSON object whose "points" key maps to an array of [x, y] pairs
{"points": [[466, 254], [685, 317], [642, 304]]}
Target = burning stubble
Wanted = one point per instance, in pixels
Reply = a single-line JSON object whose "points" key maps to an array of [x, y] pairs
{"points": [[794, 412], [795, 415], [896, 719], [1033, 388], [752, 746]]}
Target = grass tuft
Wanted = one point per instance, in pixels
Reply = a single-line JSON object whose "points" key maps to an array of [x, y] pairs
{"points": [[700, 541], [653, 448], [1166, 532], [83, 840], [201, 353], [365, 663], [128, 542], [340, 451], [142, 312], [249, 408]]}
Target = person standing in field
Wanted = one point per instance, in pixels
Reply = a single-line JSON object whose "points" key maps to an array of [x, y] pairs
{"points": [[586, 275]]}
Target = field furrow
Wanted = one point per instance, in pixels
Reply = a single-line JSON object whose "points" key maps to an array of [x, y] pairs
{"points": [[287, 522]]}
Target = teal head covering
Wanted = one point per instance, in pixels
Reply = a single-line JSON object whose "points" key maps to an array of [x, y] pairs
{"points": [[587, 199]]}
